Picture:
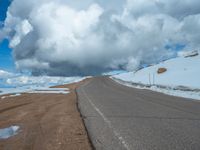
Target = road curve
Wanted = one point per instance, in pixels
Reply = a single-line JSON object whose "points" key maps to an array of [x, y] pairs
{"points": [[118, 117]]}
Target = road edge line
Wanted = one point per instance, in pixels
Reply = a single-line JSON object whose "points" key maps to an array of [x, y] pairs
{"points": [[82, 118]]}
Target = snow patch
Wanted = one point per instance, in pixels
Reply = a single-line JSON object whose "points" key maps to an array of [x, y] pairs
{"points": [[14, 95], [51, 90], [8, 132], [114, 72]]}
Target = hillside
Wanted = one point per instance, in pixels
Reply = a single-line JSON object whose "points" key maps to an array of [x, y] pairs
{"points": [[181, 73]]}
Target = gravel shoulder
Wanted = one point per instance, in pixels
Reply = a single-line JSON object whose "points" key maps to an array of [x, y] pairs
{"points": [[47, 121]]}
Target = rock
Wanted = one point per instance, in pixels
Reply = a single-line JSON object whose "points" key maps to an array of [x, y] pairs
{"points": [[161, 70]]}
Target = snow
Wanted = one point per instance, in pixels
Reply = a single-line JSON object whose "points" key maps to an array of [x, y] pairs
{"points": [[50, 90], [8, 132], [182, 77], [40, 81], [179, 93], [24, 83], [114, 72], [188, 53], [166, 90], [14, 95]]}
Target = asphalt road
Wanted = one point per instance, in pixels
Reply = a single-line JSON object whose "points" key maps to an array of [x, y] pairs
{"points": [[119, 117]]}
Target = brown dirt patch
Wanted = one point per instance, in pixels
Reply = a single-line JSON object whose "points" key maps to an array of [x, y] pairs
{"points": [[47, 122], [161, 70]]}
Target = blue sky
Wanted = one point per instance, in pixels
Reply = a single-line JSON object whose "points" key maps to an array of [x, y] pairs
{"points": [[6, 60], [6, 56]]}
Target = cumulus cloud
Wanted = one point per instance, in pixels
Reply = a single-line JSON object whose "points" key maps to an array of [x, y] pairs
{"points": [[62, 37], [5, 74]]}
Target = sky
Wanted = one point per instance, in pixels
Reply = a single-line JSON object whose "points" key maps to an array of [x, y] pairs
{"points": [[66, 38], [6, 60]]}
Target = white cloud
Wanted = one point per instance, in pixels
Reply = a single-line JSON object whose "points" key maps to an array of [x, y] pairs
{"points": [[21, 30], [5, 74], [64, 37]]}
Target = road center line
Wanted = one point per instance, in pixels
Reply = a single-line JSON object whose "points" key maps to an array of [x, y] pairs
{"points": [[117, 134]]}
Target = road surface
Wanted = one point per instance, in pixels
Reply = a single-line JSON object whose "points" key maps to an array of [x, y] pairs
{"points": [[123, 118]]}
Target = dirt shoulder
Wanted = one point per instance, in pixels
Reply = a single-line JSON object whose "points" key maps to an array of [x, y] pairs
{"points": [[47, 121]]}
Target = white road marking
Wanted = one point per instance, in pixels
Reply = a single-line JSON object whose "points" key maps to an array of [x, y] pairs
{"points": [[117, 134]]}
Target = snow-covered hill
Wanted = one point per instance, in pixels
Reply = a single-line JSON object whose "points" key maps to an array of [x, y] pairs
{"points": [[181, 73]]}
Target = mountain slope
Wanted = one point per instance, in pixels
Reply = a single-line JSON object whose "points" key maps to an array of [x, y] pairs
{"points": [[179, 77], [181, 71]]}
